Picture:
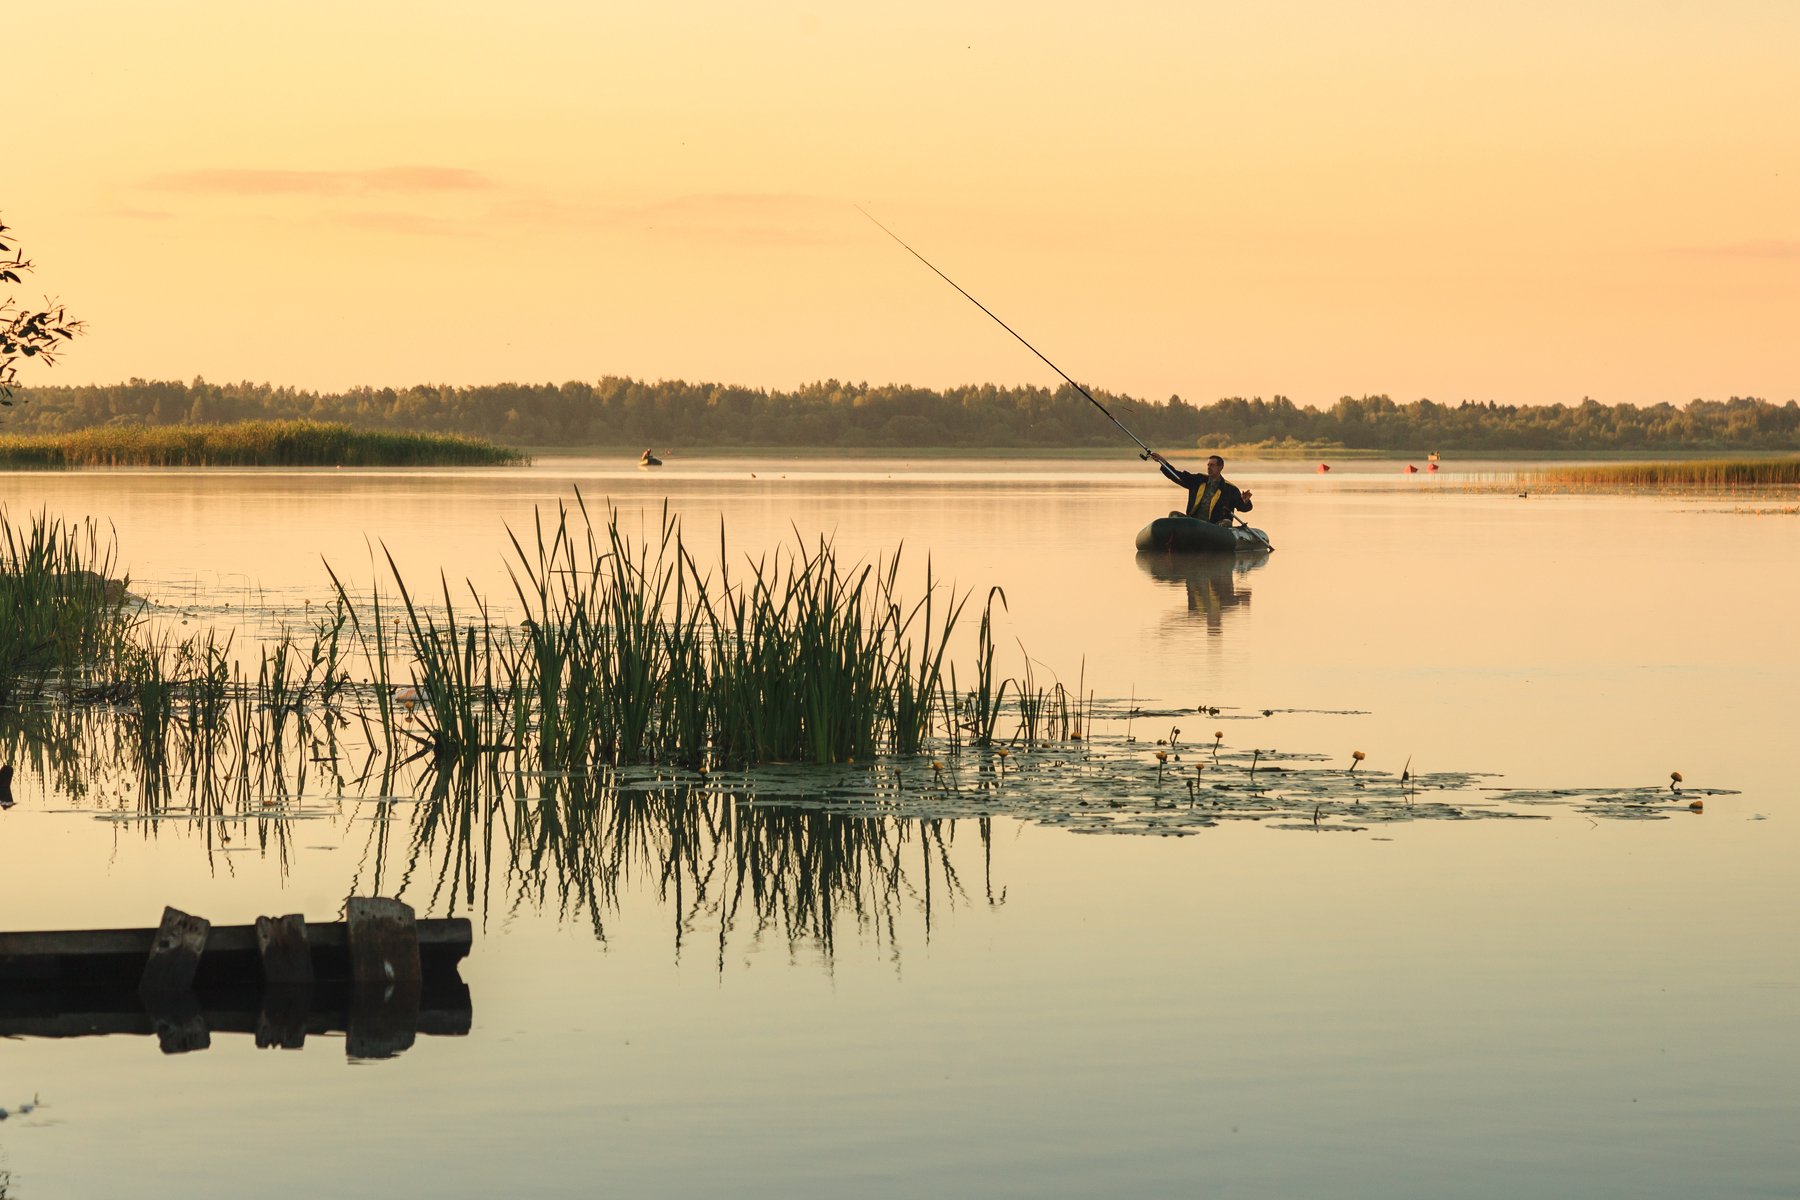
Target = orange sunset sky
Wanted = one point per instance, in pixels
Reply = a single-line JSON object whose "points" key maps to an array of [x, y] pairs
{"points": [[1527, 202]]}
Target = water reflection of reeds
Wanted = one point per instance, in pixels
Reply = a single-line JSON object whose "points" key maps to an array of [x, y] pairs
{"points": [[712, 858]]}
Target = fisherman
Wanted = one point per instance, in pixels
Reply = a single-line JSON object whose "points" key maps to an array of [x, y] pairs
{"points": [[1210, 497]]}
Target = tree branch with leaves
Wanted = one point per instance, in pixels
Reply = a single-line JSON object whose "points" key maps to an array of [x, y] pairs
{"points": [[26, 333]]}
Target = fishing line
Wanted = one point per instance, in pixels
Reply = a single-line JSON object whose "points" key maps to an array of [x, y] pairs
{"points": [[990, 312]]}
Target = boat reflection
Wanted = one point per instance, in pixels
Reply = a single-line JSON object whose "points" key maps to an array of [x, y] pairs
{"points": [[1213, 582]]}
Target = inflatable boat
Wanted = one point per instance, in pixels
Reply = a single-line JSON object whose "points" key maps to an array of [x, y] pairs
{"points": [[1185, 535]]}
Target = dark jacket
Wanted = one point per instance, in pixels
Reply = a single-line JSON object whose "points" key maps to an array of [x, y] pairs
{"points": [[1208, 504]]}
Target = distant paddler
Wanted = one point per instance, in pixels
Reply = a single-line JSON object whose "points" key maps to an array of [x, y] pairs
{"points": [[1210, 496], [649, 459]]}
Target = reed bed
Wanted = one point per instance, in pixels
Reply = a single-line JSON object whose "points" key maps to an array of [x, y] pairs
{"points": [[1748, 473], [629, 655], [63, 615], [634, 654], [250, 444]]}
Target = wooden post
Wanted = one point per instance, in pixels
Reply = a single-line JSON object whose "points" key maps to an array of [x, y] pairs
{"points": [[385, 978], [174, 954], [384, 944], [286, 954]]}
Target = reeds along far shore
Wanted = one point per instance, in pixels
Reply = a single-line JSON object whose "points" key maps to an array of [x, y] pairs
{"points": [[249, 444], [1771, 472]]}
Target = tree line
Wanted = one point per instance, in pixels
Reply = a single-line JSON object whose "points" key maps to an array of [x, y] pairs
{"points": [[623, 412]]}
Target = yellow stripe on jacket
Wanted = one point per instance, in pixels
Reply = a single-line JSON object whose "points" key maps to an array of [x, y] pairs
{"points": [[1206, 498]]}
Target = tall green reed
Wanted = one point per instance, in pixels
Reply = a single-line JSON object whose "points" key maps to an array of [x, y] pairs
{"points": [[63, 615]]}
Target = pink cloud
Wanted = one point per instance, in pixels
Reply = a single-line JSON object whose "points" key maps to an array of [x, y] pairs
{"points": [[767, 218], [244, 182]]}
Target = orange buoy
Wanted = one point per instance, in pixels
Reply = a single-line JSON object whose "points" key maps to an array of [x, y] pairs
{"points": [[1432, 467], [1324, 467], [1411, 470], [1697, 806]]}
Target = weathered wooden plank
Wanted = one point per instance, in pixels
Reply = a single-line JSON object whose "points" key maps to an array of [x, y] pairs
{"points": [[286, 953], [446, 934], [174, 954], [106, 955]]}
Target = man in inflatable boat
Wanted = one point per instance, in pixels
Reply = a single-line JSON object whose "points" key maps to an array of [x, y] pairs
{"points": [[1210, 497]]}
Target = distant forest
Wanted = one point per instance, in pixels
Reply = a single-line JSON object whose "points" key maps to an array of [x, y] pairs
{"points": [[626, 412]]}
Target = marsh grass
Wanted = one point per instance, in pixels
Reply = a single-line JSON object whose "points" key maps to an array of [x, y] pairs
{"points": [[1771, 472], [634, 654], [630, 654], [62, 613], [250, 444]]}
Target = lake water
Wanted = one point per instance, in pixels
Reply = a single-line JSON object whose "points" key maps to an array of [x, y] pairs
{"points": [[1572, 1005]]}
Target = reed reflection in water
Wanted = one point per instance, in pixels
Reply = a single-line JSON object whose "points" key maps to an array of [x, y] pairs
{"points": [[712, 857]]}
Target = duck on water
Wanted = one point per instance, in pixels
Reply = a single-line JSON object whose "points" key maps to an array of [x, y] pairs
{"points": [[1208, 524]]}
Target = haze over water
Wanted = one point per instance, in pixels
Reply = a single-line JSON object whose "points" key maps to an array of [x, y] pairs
{"points": [[1563, 1006]]}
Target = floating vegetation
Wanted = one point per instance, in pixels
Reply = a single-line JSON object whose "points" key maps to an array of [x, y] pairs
{"points": [[250, 444], [1699, 473]]}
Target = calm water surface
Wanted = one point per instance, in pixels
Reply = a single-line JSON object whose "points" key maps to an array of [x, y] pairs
{"points": [[1564, 1006]]}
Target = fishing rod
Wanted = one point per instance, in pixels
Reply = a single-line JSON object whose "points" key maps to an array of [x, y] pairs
{"points": [[1147, 452]]}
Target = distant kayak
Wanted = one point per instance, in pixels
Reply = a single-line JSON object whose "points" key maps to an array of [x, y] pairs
{"points": [[649, 460], [1185, 535]]}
